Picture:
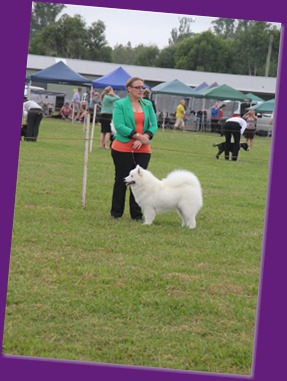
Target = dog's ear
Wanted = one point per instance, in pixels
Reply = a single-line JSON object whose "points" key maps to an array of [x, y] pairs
{"points": [[139, 170]]}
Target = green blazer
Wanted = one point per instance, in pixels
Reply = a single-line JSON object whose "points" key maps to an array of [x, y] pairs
{"points": [[124, 121]]}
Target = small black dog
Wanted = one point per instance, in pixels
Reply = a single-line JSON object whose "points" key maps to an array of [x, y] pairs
{"points": [[221, 147]]}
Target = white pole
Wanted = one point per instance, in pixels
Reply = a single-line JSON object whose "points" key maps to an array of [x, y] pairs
{"points": [[202, 116], [86, 157], [93, 127], [163, 120]]}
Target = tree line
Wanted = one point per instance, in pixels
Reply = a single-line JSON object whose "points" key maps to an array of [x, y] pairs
{"points": [[232, 46]]}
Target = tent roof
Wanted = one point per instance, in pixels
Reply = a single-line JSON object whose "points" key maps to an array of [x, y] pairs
{"points": [[254, 98], [224, 92], [47, 92], [117, 79], [60, 73], [174, 87], [265, 107], [203, 89], [202, 86]]}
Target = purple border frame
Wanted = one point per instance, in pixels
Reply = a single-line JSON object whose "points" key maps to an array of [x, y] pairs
{"points": [[269, 359]]}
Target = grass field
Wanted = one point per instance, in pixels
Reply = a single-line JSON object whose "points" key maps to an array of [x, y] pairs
{"points": [[85, 287]]}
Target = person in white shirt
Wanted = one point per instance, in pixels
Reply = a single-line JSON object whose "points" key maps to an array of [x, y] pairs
{"points": [[234, 126], [33, 114], [76, 100]]}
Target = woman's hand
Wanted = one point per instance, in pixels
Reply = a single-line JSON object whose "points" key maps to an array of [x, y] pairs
{"points": [[144, 139], [140, 140], [137, 144]]}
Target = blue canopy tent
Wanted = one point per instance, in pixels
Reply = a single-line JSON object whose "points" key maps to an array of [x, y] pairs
{"points": [[201, 89], [60, 73], [202, 86], [117, 79]]}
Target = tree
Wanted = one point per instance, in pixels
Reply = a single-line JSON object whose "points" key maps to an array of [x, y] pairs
{"points": [[64, 38], [69, 37], [183, 31], [44, 14], [250, 48], [146, 55], [97, 48], [166, 57], [224, 27], [123, 54], [204, 52]]}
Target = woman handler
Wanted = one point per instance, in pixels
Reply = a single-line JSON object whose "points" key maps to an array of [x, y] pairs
{"points": [[135, 124]]}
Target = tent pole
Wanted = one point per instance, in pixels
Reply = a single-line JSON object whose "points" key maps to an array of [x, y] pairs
{"points": [[86, 157], [93, 127], [202, 116]]}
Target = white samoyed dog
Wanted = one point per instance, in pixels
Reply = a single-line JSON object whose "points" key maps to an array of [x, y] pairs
{"points": [[180, 190]]}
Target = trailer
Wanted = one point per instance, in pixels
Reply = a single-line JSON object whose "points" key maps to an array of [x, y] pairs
{"points": [[50, 101]]}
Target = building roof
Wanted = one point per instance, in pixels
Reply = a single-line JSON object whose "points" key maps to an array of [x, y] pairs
{"points": [[94, 69]]}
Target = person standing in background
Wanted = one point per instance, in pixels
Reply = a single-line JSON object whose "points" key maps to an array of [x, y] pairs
{"points": [[249, 132], [107, 97], [147, 95], [76, 100], [180, 115], [215, 116]]}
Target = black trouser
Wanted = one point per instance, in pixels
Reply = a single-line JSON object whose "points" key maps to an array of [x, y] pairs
{"points": [[33, 122], [124, 162], [232, 129], [214, 125]]}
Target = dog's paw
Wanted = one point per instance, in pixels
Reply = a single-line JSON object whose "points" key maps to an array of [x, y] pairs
{"points": [[147, 223]]}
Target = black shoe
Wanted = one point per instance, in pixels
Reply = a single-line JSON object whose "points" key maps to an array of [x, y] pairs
{"points": [[115, 217]]}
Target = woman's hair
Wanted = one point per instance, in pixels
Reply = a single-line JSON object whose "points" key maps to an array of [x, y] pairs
{"points": [[131, 80], [147, 93], [105, 91]]}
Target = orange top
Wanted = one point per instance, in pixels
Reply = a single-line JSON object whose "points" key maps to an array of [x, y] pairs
{"points": [[128, 147]]}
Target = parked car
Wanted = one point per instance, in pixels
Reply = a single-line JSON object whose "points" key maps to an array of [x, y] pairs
{"points": [[263, 126]]}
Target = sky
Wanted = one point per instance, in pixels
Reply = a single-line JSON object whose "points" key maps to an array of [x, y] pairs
{"points": [[138, 27]]}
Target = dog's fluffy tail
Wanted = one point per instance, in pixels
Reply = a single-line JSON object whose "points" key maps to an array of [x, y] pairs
{"points": [[179, 177]]}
